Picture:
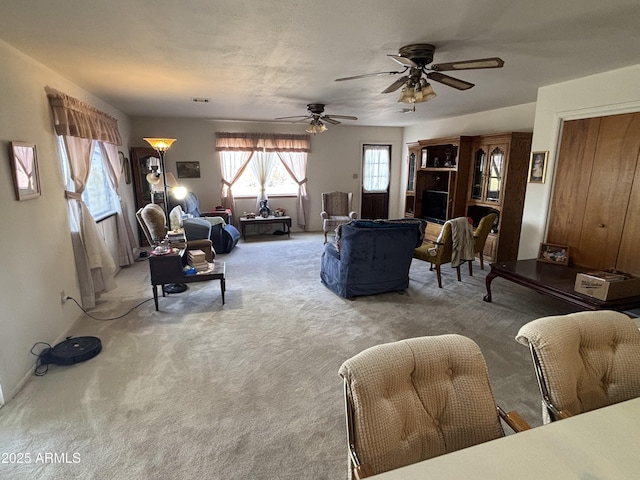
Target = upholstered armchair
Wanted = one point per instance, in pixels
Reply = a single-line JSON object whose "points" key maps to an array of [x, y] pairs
{"points": [[224, 237], [583, 361], [154, 225], [336, 210], [370, 257], [417, 399], [480, 238]]}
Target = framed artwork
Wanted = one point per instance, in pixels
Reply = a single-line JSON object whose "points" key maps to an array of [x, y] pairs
{"points": [[552, 253], [188, 169], [538, 167], [24, 169]]}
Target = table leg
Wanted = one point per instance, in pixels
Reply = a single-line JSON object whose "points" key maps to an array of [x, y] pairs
{"points": [[223, 287], [155, 296], [490, 276]]}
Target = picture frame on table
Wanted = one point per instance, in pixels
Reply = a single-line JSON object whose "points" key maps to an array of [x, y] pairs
{"points": [[538, 167], [24, 170], [188, 169], [553, 253]]}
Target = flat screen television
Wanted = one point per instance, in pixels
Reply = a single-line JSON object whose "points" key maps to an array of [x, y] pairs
{"points": [[434, 205]]}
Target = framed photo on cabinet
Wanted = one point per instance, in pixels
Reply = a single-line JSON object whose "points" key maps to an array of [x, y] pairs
{"points": [[24, 169], [538, 167]]}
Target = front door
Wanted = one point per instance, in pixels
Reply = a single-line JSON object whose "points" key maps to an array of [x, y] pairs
{"points": [[376, 168]]}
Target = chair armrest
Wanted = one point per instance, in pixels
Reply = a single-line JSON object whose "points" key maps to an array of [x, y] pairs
{"points": [[514, 420], [324, 215]]}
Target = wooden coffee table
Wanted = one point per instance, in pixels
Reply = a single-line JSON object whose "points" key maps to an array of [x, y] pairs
{"points": [[284, 220], [554, 280], [166, 269]]}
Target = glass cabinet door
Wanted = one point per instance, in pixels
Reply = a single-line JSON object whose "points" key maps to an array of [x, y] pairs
{"points": [[494, 181], [479, 160], [411, 185]]}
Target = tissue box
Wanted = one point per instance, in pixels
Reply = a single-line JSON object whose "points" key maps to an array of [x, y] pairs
{"points": [[607, 285]]}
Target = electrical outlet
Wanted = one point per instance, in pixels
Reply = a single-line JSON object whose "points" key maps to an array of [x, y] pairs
{"points": [[63, 296]]}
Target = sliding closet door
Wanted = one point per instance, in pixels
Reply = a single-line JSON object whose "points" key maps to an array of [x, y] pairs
{"points": [[591, 203]]}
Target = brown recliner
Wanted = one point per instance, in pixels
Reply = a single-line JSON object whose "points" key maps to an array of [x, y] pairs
{"points": [[480, 238]]}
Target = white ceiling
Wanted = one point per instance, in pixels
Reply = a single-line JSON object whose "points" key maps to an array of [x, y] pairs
{"points": [[257, 60]]}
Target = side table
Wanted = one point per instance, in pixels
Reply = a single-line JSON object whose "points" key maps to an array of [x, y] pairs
{"points": [[168, 269]]}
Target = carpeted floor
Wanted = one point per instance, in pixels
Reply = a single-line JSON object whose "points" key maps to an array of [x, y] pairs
{"points": [[249, 390]]}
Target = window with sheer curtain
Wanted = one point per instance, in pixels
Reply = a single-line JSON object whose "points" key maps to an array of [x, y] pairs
{"points": [[376, 159], [277, 182]]}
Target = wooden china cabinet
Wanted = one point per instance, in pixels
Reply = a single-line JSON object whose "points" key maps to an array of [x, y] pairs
{"points": [[139, 167]]}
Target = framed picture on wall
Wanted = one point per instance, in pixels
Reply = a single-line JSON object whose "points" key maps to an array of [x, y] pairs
{"points": [[24, 169], [188, 169], [538, 167]]}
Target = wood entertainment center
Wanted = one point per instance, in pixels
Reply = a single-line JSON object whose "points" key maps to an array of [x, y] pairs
{"points": [[471, 176]]}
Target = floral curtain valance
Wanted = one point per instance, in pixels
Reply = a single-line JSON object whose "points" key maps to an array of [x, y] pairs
{"points": [[74, 118], [250, 142]]}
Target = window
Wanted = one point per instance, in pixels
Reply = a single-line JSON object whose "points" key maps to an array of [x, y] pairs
{"points": [[98, 194], [376, 159], [279, 182]]}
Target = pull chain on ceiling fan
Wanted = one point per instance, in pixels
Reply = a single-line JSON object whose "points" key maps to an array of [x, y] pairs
{"points": [[416, 59], [318, 118]]}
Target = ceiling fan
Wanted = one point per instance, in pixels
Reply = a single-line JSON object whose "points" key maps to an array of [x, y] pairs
{"points": [[416, 60], [318, 118]]}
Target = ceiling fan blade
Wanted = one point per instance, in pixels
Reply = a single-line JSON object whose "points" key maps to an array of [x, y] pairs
{"points": [[396, 85], [300, 117], [343, 117], [379, 74], [450, 81], [493, 62], [404, 61], [330, 120]]}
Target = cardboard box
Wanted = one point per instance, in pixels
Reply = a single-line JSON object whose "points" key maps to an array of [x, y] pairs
{"points": [[607, 286]]}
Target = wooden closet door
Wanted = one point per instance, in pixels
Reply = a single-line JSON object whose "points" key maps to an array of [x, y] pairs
{"points": [[571, 184]]}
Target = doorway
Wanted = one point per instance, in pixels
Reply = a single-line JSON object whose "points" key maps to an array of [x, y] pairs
{"points": [[376, 170]]}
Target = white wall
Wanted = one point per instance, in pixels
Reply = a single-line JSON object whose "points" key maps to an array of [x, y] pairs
{"points": [[608, 93], [37, 258], [336, 155]]}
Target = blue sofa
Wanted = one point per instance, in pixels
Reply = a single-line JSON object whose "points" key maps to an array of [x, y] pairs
{"points": [[370, 256]]}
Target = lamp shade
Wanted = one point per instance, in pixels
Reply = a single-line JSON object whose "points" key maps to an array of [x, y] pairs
{"points": [[153, 178], [160, 144]]}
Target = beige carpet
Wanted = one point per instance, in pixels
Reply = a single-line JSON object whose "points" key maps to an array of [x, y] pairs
{"points": [[249, 390]]}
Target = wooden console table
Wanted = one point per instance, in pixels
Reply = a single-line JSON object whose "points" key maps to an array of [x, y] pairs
{"points": [[284, 220], [554, 280], [167, 269]]}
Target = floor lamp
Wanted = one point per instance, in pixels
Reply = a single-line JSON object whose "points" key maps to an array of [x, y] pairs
{"points": [[161, 145]]}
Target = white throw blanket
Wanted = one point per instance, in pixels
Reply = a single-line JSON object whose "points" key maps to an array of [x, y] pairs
{"points": [[462, 240]]}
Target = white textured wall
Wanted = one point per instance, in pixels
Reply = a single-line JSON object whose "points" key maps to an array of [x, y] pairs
{"points": [[336, 155], [37, 257], [608, 93]]}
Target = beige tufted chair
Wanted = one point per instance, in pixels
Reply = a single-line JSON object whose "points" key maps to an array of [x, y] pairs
{"points": [[416, 399], [336, 210], [583, 361], [153, 223]]}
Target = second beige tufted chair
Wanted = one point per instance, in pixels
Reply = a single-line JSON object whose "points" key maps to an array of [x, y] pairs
{"points": [[416, 399], [583, 361]]}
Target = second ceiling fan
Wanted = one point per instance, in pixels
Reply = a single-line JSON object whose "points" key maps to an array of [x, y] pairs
{"points": [[416, 60]]}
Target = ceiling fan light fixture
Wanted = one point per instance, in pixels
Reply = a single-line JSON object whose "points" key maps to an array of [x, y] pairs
{"points": [[316, 126]]}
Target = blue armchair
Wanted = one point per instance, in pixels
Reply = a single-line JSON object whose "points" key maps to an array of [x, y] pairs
{"points": [[370, 256]]}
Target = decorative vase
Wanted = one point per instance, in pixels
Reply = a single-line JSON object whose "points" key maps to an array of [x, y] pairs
{"points": [[264, 211]]}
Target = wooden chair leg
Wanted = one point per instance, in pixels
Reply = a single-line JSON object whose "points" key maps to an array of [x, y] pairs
{"points": [[471, 268], [439, 276], [481, 262], [325, 237], [458, 271]]}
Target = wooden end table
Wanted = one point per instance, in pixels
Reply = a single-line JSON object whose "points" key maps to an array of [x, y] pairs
{"points": [[167, 269], [284, 220]]}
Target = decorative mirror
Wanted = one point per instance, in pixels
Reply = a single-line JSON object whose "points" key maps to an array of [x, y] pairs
{"points": [[24, 168]]}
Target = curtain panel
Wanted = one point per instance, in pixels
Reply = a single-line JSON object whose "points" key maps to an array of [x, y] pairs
{"points": [[74, 118]]}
